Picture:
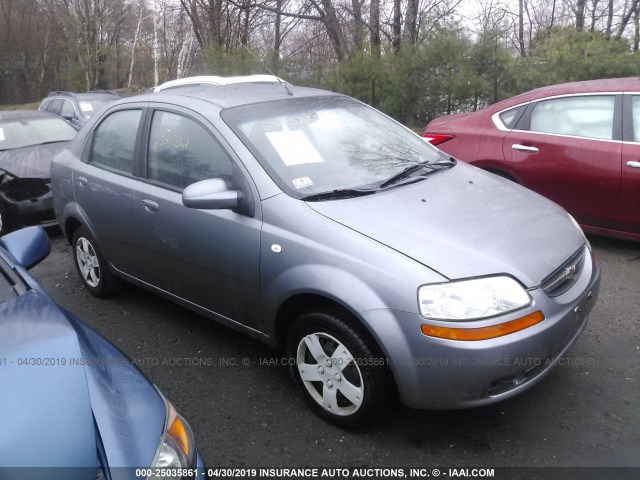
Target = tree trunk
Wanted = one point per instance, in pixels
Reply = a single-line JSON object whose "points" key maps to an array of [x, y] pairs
{"points": [[609, 19], [411, 22], [626, 17], [397, 27], [580, 14], [358, 31], [375, 28], [523, 53], [135, 43]]}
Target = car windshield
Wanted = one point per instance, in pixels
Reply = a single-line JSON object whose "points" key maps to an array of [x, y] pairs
{"points": [[89, 107], [25, 132], [327, 145]]}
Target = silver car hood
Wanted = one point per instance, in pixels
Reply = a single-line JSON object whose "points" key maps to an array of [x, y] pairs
{"points": [[465, 222]]}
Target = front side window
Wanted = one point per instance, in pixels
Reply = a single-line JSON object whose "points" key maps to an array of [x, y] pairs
{"points": [[114, 141], [583, 116], [182, 152], [318, 145], [68, 109], [56, 107]]}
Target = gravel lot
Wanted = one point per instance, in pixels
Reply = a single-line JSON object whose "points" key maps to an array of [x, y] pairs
{"points": [[246, 411]]}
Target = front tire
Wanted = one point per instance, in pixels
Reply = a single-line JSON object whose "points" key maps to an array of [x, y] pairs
{"points": [[343, 377], [91, 265]]}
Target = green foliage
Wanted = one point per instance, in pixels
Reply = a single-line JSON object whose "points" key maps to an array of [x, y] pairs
{"points": [[225, 63], [566, 55]]}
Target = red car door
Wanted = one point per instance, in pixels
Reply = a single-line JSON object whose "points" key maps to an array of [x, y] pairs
{"points": [[567, 149], [628, 210]]}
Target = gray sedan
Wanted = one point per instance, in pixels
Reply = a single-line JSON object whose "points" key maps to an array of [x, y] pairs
{"points": [[310, 221]]}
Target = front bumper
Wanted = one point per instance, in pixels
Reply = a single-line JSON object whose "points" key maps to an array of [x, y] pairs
{"points": [[35, 211], [434, 373]]}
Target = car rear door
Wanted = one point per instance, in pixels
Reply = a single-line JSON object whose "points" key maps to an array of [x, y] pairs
{"points": [[104, 182], [568, 149], [628, 209], [209, 258]]}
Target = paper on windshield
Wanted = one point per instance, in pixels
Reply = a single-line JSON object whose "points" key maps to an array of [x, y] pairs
{"points": [[1, 134], [86, 107], [294, 148]]}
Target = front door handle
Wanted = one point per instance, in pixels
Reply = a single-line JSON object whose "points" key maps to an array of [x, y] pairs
{"points": [[633, 164], [524, 148], [150, 206], [82, 181]]}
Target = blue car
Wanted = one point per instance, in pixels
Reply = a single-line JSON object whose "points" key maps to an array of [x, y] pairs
{"points": [[69, 398]]}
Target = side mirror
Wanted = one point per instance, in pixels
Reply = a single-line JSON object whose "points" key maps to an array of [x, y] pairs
{"points": [[67, 116], [29, 246], [211, 194]]}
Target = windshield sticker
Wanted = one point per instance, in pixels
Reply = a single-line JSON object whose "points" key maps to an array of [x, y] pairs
{"points": [[302, 182], [86, 107], [1, 134], [294, 148]]}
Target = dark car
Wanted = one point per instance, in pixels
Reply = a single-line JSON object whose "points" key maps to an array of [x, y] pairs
{"points": [[70, 399], [577, 144], [77, 108], [313, 222], [28, 142]]}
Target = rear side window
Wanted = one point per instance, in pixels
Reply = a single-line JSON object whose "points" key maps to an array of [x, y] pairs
{"points": [[182, 152], [114, 141], [635, 112], [510, 117], [584, 116]]}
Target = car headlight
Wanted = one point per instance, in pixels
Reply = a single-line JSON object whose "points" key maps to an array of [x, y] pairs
{"points": [[472, 299], [177, 448]]}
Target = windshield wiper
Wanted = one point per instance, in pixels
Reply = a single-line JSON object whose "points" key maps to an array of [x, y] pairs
{"points": [[337, 194], [414, 168], [50, 141]]}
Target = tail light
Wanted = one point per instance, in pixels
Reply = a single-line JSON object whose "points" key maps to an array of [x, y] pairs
{"points": [[436, 139]]}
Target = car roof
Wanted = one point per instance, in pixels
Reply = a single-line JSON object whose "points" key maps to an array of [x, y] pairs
{"points": [[9, 115], [608, 85], [226, 96]]}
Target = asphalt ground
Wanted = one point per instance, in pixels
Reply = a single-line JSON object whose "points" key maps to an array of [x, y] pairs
{"points": [[245, 409]]}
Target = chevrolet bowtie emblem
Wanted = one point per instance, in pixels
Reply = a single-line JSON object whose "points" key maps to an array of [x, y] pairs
{"points": [[569, 272]]}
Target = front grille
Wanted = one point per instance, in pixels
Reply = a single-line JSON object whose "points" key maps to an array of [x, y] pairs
{"points": [[563, 278]]}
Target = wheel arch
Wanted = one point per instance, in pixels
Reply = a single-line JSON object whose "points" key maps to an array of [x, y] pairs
{"points": [[300, 303]]}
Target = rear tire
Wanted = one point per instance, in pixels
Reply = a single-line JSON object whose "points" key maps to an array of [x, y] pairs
{"points": [[338, 370], [91, 266]]}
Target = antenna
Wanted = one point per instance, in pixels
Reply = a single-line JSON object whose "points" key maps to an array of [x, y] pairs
{"points": [[284, 85]]}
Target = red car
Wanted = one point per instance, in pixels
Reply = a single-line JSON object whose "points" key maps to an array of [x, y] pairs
{"points": [[576, 143]]}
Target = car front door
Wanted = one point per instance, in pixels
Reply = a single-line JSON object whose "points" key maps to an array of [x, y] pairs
{"points": [[209, 258], [104, 184], [628, 210], [568, 149]]}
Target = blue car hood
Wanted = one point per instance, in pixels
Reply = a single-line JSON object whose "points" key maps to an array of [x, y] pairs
{"points": [[464, 222], [44, 399]]}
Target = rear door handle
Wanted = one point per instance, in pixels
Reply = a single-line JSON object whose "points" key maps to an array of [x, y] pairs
{"points": [[524, 148], [150, 206], [633, 164], [82, 181]]}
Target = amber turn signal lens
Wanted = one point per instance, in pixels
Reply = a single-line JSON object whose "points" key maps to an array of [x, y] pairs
{"points": [[483, 333], [178, 432]]}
